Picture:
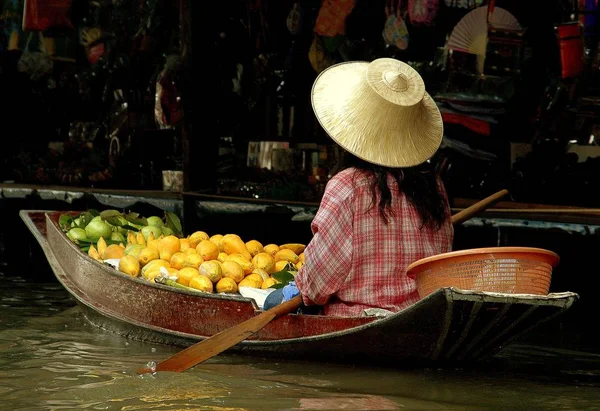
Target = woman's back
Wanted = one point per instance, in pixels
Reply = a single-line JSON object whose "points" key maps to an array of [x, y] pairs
{"points": [[363, 260]]}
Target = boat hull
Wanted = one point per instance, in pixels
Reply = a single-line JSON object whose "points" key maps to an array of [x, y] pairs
{"points": [[447, 326]]}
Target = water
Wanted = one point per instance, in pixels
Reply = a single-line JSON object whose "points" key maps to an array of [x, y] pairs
{"points": [[52, 359]]}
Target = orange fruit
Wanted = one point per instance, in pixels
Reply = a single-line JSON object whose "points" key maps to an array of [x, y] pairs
{"points": [[184, 244], [254, 247], [212, 270], [196, 237], [168, 246], [147, 255], [264, 261], [177, 260], [268, 283], [192, 260], [226, 285], [233, 270], [113, 251], [186, 274], [207, 250], [271, 249], [246, 264], [233, 244], [202, 283], [249, 282], [217, 240]]}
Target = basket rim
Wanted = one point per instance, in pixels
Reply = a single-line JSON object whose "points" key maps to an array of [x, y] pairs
{"points": [[554, 258]]}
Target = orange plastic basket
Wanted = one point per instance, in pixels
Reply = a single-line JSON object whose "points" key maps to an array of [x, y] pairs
{"points": [[511, 270]]}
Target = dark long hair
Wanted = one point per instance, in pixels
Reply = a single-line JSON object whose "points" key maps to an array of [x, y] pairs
{"points": [[419, 184]]}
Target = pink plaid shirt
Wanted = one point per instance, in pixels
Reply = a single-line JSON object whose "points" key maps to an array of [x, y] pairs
{"points": [[354, 260]]}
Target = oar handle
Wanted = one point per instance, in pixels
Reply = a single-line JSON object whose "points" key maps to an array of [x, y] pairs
{"points": [[478, 207], [286, 307]]}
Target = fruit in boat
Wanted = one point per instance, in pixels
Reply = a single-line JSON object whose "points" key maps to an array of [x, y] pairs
{"points": [[154, 265], [281, 265], [192, 260], [268, 283], [249, 282], [147, 255], [97, 229], [212, 270], [153, 244], [156, 231], [287, 255], [226, 285], [184, 244], [296, 248], [254, 247], [301, 256], [196, 237], [139, 237], [262, 273], [177, 260], [264, 261], [117, 237], [92, 252], [255, 277], [129, 265], [299, 265], [271, 249], [186, 274], [207, 250], [131, 238], [155, 221], [222, 257], [233, 270], [113, 251], [134, 250], [202, 283], [233, 244], [245, 264], [77, 234], [166, 231], [167, 247], [217, 240], [101, 246]]}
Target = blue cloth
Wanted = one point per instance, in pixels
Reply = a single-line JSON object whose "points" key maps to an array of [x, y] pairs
{"points": [[290, 291], [273, 299]]}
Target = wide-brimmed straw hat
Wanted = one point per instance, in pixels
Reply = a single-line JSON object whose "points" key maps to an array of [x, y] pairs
{"points": [[378, 111]]}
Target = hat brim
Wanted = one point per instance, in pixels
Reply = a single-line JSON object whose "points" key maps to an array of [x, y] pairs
{"points": [[371, 127]]}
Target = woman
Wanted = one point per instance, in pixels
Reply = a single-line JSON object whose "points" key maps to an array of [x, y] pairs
{"points": [[383, 210]]}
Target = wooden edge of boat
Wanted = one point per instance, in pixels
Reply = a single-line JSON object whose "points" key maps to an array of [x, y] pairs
{"points": [[449, 324]]}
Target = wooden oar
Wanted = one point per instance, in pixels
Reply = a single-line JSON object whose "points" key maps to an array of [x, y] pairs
{"points": [[220, 342]]}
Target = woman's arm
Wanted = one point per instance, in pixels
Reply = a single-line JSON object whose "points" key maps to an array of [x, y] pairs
{"points": [[328, 256]]}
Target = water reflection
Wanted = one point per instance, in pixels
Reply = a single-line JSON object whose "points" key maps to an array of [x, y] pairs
{"points": [[52, 359]]}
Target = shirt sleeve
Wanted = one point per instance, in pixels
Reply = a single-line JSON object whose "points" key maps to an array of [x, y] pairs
{"points": [[328, 256]]}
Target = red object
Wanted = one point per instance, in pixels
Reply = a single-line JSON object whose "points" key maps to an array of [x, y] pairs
{"points": [[570, 44], [357, 258], [41, 15], [508, 270], [473, 124]]}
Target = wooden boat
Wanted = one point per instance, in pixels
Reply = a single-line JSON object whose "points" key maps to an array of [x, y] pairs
{"points": [[449, 325]]}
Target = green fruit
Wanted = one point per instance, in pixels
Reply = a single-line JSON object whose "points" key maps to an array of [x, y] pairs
{"points": [[155, 221], [151, 229], [134, 250], [166, 231], [77, 234], [97, 229], [115, 236], [97, 218]]}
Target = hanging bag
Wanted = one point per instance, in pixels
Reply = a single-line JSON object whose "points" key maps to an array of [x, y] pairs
{"points": [[331, 20], [422, 12], [395, 32], [570, 42], [35, 63], [41, 15]]}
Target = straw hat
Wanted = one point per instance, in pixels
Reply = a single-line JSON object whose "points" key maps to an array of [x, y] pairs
{"points": [[378, 111]]}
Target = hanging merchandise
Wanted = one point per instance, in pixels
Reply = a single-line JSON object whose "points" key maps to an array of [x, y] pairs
{"points": [[570, 43], [93, 41], [168, 109], [41, 15], [395, 32], [294, 19], [470, 35], [422, 12], [319, 58], [331, 20], [463, 4], [35, 63]]}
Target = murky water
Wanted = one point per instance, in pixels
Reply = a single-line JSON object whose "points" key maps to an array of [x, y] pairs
{"points": [[52, 359]]}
